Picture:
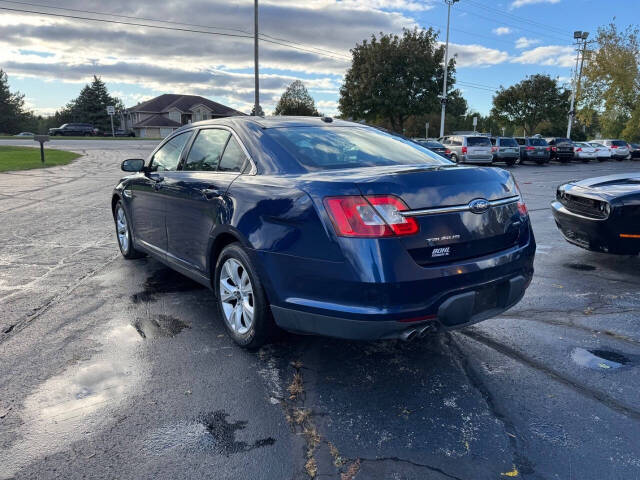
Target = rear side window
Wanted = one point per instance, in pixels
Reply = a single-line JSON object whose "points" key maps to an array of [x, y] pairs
{"points": [[327, 148], [508, 142], [537, 142], [206, 150], [168, 157], [478, 142], [233, 158], [619, 143], [493, 141], [521, 141]]}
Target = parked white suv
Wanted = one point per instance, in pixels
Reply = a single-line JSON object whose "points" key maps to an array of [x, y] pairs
{"points": [[468, 148], [619, 148]]}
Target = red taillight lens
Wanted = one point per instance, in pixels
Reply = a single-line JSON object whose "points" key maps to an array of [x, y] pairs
{"points": [[579, 149], [553, 149], [464, 149], [522, 207], [371, 216], [494, 149], [531, 148], [447, 151], [614, 146], [548, 148]]}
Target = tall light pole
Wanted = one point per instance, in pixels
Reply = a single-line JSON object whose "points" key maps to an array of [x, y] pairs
{"points": [[443, 97], [257, 110], [581, 42]]}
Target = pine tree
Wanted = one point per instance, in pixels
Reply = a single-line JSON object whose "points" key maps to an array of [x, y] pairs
{"points": [[13, 116], [91, 105], [296, 101]]}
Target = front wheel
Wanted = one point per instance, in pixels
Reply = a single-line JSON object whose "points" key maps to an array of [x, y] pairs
{"points": [[123, 232], [241, 300]]}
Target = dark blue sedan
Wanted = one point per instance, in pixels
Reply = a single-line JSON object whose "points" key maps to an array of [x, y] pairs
{"points": [[322, 226]]}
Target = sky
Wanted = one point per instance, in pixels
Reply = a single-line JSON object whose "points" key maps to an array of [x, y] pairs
{"points": [[497, 43]]}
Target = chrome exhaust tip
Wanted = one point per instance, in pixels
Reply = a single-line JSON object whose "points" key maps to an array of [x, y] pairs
{"points": [[425, 330], [409, 335]]}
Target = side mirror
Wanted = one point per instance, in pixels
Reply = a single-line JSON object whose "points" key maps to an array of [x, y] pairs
{"points": [[132, 165]]}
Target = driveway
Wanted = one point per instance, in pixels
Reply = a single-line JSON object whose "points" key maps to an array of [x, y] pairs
{"points": [[120, 369]]}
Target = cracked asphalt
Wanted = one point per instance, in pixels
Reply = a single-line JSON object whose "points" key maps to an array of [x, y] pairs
{"points": [[120, 369]]}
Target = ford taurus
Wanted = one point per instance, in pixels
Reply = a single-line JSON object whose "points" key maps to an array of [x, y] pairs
{"points": [[327, 227]]}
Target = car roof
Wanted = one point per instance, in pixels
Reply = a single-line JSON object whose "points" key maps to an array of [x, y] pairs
{"points": [[278, 121]]}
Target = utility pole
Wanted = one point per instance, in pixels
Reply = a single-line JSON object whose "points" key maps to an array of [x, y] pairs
{"points": [[443, 97], [257, 110], [581, 42]]}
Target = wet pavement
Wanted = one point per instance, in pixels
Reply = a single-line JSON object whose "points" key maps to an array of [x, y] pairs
{"points": [[120, 369]]}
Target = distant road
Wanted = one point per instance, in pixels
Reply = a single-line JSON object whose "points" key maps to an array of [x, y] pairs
{"points": [[78, 145]]}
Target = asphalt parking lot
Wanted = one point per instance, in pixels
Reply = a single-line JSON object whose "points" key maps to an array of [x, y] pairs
{"points": [[119, 369]]}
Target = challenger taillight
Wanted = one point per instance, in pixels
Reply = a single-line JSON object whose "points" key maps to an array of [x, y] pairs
{"points": [[371, 216]]}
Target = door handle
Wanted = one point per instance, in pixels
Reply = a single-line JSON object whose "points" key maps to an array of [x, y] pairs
{"points": [[211, 194]]}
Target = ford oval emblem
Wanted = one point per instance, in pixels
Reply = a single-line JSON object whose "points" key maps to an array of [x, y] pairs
{"points": [[479, 205]]}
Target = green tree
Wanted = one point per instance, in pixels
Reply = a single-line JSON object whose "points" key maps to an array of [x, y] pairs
{"points": [[611, 85], [535, 101], [91, 105], [296, 101], [392, 78], [13, 116]]}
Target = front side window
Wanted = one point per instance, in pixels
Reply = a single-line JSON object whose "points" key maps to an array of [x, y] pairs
{"points": [[206, 150], [167, 158], [233, 158], [326, 148]]}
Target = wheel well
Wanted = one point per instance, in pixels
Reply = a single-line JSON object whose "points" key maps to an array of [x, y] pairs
{"points": [[115, 199], [219, 243]]}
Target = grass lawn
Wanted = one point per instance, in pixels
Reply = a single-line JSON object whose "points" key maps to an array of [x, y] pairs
{"points": [[26, 158]]}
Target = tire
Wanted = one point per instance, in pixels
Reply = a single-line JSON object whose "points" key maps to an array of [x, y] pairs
{"points": [[511, 162], [454, 158], [540, 161], [123, 233], [236, 283]]}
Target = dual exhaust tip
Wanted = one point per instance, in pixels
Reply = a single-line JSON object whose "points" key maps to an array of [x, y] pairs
{"points": [[420, 332]]}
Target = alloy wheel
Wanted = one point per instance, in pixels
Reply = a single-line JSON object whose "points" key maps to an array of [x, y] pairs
{"points": [[122, 229], [236, 296]]}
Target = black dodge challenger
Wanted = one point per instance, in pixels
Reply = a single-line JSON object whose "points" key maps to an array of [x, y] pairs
{"points": [[601, 214]]}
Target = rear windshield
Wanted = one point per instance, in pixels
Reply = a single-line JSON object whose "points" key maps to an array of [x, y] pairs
{"points": [[537, 142], [521, 141], [326, 148], [618, 143], [508, 142], [478, 142], [563, 140]]}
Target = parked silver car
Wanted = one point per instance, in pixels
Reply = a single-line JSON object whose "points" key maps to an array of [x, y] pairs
{"points": [[619, 148], [505, 149], [602, 153], [468, 148], [585, 152]]}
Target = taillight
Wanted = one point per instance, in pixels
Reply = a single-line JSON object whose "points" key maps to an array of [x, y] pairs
{"points": [[553, 149], [579, 149], [548, 149], [464, 149], [494, 149], [614, 146], [447, 151], [522, 207], [370, 216], [530, 148]]}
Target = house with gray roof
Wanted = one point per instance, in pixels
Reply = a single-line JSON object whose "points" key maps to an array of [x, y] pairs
{"points": [[158, 117]]}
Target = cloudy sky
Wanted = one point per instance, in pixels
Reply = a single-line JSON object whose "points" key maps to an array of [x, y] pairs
{"points": [[49, 58]]}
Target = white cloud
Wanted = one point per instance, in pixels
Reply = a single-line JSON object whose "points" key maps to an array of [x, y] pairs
{"points": [[476, 55], [522, 3], [502, 31], [524, 42], [327, 107], [551, 55]]}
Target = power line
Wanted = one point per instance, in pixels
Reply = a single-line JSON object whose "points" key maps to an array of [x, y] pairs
{"points": [[162, 27]]}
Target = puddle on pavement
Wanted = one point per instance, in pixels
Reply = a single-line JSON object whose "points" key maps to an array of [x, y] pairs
{"points": [[69, 406], [211, 431], [598, 359], [159, 326], [164, 280], [583, 267]]}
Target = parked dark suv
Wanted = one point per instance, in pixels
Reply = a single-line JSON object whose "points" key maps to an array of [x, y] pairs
{"points": [[561, 149], [533, 149], [76, 129]]}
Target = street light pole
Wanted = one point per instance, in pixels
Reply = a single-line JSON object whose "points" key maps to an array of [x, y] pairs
{"points": [[443, 97], [257, 110], [581, 42]]}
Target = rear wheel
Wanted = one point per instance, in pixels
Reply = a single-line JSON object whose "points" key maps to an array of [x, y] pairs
{"points": [[540, 161], [242, 303], [454, 158], [123, 233]]}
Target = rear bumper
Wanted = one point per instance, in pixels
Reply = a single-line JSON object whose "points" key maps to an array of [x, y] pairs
{"points": [[317, 297], [477, 159], [456, 310], [592, 234]]}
